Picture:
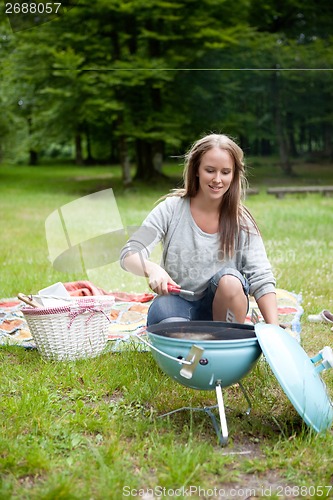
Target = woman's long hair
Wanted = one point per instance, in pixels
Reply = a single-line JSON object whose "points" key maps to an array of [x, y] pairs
{"points": [[232, 213]]}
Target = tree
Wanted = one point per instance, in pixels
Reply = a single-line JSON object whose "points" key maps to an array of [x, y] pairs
{"points": [[127, 80], [302, 34]]}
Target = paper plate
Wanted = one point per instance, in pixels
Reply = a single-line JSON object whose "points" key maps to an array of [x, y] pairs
{"points": [[297, 376]]}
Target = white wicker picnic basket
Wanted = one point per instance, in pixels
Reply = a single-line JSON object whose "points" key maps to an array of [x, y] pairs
{"points": [[78, 330]]}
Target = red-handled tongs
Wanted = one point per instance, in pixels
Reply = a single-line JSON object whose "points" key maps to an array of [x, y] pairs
{"points": [[176, 289]]}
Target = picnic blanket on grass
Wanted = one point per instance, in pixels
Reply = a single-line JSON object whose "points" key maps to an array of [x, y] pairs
{"points": [[128, 317]]}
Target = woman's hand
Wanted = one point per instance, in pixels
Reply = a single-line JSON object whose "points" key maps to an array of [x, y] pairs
{"points": [[158, 279]]}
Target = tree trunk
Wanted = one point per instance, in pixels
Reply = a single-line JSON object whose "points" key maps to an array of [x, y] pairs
{"points": [[291, 135], [281, 138], [125, 161], [284, 154], [90, 159], [33, 155], [265, 147], [157, 152], [145, 167], [309, 139], [328, 145], [78, 149], [149, 160]]}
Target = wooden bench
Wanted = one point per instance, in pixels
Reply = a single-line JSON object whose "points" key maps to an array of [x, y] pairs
{"points": [[251, 191], [280, 192]]}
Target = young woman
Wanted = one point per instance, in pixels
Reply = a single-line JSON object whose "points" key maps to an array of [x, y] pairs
{"points": [[211, 243]]}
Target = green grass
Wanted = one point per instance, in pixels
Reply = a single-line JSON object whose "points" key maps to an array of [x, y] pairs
{"points": [[90, 429]]}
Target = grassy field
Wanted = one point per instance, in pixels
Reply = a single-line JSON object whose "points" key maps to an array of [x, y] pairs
{"points": [[90, 429]]}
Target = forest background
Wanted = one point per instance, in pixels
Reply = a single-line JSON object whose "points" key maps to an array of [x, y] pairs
{"points": [[134, 82]]}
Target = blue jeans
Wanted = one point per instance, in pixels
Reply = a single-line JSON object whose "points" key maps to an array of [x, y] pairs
{"points": [[167, 308]]}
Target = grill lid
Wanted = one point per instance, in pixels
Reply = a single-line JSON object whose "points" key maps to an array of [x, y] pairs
{"points": [[298, 375]]}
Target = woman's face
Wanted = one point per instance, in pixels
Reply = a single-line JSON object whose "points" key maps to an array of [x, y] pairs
{"points": [[215, 172]]}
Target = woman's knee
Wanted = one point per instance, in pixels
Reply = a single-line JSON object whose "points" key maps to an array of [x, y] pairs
{"points": [[229, 280], [167, 308], [230, 296], [229, 286]]}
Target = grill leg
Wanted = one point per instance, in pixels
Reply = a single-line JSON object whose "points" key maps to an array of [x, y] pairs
{"points": [[223, 420]]}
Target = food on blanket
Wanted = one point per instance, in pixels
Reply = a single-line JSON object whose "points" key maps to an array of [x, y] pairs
{"points": [[114, 315], [131, 317], [142, 308], [11, 325], [23, 335], [118, 330]]}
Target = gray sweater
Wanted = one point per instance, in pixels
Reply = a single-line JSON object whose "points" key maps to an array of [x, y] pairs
{"points": [[191, 257]]}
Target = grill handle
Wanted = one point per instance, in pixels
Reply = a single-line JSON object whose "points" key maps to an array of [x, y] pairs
{"points": [[194, 358]]}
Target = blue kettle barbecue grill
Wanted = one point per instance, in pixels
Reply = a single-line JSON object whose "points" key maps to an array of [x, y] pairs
{"points": [[212, 355]]}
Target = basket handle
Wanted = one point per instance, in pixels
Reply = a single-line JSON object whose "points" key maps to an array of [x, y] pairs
{"points": [[28, 301]]}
